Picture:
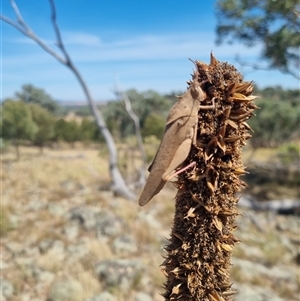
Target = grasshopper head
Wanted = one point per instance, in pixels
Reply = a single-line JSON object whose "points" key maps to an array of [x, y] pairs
{"points": [[196, 90]]}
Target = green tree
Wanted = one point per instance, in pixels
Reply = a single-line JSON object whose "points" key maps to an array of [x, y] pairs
{"points": [[45, 123], [17, 123], [149, 102], [274, 23], [117, 120], [143, 104], [68, 131], [89, 130], [59, 129], [154, 125], [31, 94], [276, 122], [277, 93]]}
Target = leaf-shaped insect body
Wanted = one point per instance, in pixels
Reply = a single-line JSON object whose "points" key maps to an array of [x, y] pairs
{"points": [[180, 133]]}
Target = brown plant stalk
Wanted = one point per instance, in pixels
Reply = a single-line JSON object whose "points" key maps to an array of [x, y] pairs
{"points": [[198, 260]]}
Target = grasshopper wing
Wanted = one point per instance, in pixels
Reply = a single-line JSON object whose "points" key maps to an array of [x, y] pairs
{"points": [[175, 145]]}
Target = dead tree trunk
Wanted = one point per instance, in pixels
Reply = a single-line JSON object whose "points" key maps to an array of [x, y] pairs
{"points": [[142, 174]]}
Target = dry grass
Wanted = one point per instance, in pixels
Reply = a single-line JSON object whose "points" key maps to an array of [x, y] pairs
{"points": [[72, 177], [64, 178], [90, 284], [5, 223]]}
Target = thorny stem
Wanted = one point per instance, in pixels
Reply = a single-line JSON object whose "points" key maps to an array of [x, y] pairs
{"points": [[197, 263]]}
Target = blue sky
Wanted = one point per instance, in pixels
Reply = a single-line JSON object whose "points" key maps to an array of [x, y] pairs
{"points": [[144, 44]]}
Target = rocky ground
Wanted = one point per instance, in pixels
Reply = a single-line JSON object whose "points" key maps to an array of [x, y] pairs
{"points": [[65, 239]]}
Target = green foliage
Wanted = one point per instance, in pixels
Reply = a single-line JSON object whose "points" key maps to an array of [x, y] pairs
{"points": [[31, 94], [68, 131], [89, 130], [117, 119], [83, 111], [275, 123], [17, 121], [274, 23], [289, 153], [277, 93], [154, 125], [149, 102], [2, 144], [45, 123], [143, 104], [59, 129]]}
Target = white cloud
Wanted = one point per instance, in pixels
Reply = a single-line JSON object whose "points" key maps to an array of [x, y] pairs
{"points": [[157, 62], [81, 38], [69, 38], [85, 47], [161, 47]]}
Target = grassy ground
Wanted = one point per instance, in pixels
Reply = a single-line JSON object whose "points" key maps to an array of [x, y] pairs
{"points": [[37, 185], [67, 178]]}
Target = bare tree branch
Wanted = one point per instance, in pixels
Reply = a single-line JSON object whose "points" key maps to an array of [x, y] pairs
{"points": [[119, 186], [22, 26], [258, 66], [119, 92]]}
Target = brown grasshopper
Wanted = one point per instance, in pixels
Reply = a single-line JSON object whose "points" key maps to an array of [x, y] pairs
{"points": [[180, 133]]}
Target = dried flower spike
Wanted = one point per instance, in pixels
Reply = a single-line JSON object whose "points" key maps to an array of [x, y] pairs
{"points": [[197, 265]]}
